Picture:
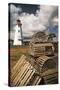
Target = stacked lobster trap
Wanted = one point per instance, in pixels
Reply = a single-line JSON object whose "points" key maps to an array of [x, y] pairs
{"points": [[40, 66]]}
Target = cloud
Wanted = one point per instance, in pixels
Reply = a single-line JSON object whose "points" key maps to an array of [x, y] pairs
{"points": [[54, 21], [14, 13], [40, 21], [45, 17], [46, 13], [14, 9]]}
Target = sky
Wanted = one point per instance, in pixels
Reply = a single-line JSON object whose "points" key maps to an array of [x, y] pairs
{"points": [[34, 18]]}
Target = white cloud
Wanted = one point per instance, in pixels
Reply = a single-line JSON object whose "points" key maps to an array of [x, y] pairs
{"points": [[14, 13], [54, 21], [43, 18], [40, 21]]}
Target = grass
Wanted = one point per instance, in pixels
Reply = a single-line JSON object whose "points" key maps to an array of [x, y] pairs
{"points": [[16, 52]]}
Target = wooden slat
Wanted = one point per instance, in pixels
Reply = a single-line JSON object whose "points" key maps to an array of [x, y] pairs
{"points": [[26, 82], [14, 74], [21, 73], [25, 78], [19, 62], [22, 77], [38, 81], [50, 76], [35, 81]]}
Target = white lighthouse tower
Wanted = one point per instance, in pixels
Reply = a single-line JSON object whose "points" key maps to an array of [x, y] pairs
{"points": [[18, 38]]}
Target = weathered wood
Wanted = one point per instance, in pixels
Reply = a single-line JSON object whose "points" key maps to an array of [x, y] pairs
{"points": [[23, 73], [17, 71], [20, 63], [35, 81], [50, 76]]}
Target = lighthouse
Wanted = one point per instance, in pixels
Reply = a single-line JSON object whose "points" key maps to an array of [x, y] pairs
{"points": [[18, 38]]}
